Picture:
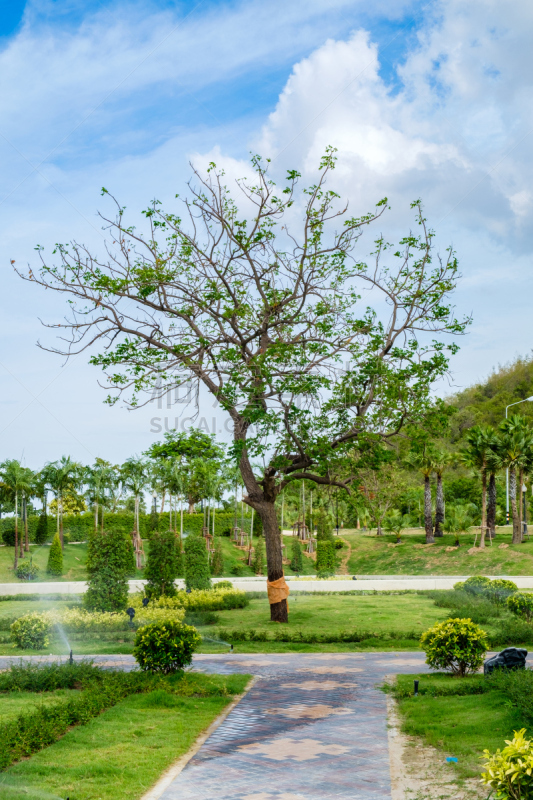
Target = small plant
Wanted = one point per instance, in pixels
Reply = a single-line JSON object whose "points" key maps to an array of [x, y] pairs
{"points": [[238, 569], [223, 585], [31, 632], [458, 645], [165, 646], [396, 522], [55, 557], [197, 575], [27, 571], [296, 564], [510, 771], [521, 604]]}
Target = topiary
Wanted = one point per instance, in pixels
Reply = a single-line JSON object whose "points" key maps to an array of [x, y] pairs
{"points": [[324, 525], [521, 604], [55, 557], [297, 562], [458, 645], [326, 562], [41, 532], [510, 771], [217, 562], [8, 535], [476, 584], [163, 565], [222, 585], [258, 564], [499, 590], [165, 646], [197, 575], [110, 561], [31, 631], [27, 571]]}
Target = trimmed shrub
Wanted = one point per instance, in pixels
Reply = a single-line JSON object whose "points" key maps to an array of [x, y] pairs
{"points": [[31, 631], [339, 544], [55, 557], [217, 563], [326, 563], [27, 571], [499, 590], [109, 562], [297, 562], [197, 575], [510, 771], [165, 647], [476, 584], [197, 600], [8, 534], [163, 565], [258, 563], [238, 569], [458, 645], [521, 604], [41, 531], [222, 585]]}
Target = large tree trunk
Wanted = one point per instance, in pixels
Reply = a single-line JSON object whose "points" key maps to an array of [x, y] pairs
{"points": [[439, 508], [428, 519], [483, 508], [190, 501], [274, 554], [491, 507], [517, 533]]}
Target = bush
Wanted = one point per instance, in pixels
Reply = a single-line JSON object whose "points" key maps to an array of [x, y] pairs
{"points": [[163, 565], [339, 544], [41, 531], [510, 771], [26, 571], [31, 631], [8, 535], [480, 612], [217, 564], [222, 585], [476, 584], [55, 557], [455, 644], [165, 647], [110, 560], [296, 564], [238, 569], [218, 599], [512, 631], [258, 564], [197, 575], [325, 558], [521, 604], [499, 590]]}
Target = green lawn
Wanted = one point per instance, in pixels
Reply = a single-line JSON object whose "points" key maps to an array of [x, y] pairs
{"points": [[121, 753], [11, 705]]}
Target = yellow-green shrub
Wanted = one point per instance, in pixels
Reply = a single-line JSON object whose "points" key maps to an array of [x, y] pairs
{"points": [[165, 647], [455, 644], [31, 631], [80, 620], [196, 600], [521, 604], [510, 771]]}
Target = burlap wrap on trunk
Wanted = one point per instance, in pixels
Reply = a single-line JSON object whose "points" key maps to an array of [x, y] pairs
{"points": [[278, 591]]}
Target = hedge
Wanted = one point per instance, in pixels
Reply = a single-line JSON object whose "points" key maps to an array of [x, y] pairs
{"points": [[79, 526], [251, 635]]}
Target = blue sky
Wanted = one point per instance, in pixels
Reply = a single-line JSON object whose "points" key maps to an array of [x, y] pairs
{"points": [[428, 100]]}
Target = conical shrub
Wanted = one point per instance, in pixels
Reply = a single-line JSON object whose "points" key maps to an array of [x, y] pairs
{"points": [[55, 557]]}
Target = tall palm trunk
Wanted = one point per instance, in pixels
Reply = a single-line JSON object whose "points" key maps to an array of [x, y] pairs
{"points": [[491, 507], [428, 517], [483, 507], [517, 533], [26, 532], [95, 516], [16, 562], [520, 502], [439, 507], [21, 537]]}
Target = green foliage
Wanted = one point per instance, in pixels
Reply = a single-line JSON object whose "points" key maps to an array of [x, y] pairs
{"points": [[163, 565], [55, 557], [8, 533], [217, 563], [499, 590], [477, 584], [510, 771], [521, 604], [27, 571], [326, 562], [216, 599], [284, 634], [324, 525], [110, 561], [258, 526], [258, 563], [458, 645], [165, 647], [296, 564], [238, 569], [197, 575], [222, 585], [154, 519], [31, 631]]}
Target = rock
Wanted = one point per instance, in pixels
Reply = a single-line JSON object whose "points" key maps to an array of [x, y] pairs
{"points": [[510, 658]]}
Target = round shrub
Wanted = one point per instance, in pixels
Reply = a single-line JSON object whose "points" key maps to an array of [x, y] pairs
{"points": [[165, 646], [521, 604], [460, 586], [477, 584], [31, 631], [458, 645], [510, 771], [499, 590], [26, 571], [55, 557]]}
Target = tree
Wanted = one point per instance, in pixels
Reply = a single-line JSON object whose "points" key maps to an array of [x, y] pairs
{"points": [[381, 487], [15, 481], [163, 565], [62, 477], [134, 477], [459, 519], [441, 460], [424, 461], [265, 318], [217, 562], [55, 557], [515, 446], [197, 575], [259, 557], [482, 443], [326, 562], [396, 522], [109, 563]]}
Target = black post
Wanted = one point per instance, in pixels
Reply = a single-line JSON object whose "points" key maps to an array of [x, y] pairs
{"points": [[416, 688]]}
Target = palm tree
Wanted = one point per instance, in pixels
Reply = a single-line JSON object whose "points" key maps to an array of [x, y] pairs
{"points": [[134, 477], [424, 462], [459, 519], [482, 443], [494, 465], [15, 481], [62, 476], [441, 460], [516, 443], [100, 478]]}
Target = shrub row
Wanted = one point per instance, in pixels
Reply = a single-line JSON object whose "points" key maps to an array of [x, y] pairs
{"points": [[216, 599], [280, 635]]}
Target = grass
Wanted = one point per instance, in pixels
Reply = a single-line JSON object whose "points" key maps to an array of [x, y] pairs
{"points": [[15, 703], [121, 753], [460, 725]]}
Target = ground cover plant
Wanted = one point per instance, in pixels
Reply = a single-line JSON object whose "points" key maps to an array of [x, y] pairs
{"points": [[158, 718]]}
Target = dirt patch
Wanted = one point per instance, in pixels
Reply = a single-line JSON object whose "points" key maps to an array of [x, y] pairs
{"points": [[419, 771]]}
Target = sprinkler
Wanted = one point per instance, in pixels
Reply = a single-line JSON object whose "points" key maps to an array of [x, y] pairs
{"points": [[70, 661], [231, 648]]}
